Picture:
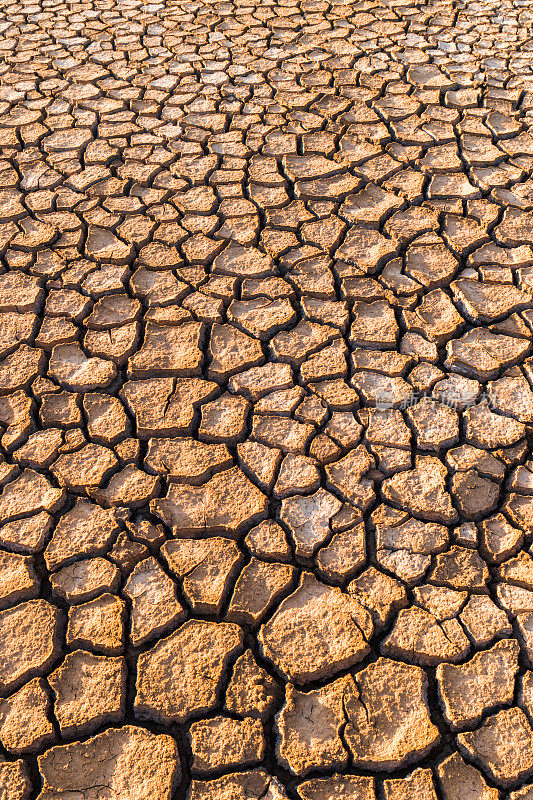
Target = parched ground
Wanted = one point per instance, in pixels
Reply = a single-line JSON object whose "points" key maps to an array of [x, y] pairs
{"points": [[266, 400]]}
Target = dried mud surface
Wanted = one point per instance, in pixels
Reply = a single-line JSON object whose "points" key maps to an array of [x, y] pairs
{"points": [[266, 405]]}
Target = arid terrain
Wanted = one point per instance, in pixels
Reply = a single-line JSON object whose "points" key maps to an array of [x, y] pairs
{"points": [[266, 406]]}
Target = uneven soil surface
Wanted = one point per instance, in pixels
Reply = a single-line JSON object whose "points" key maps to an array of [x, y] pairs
{"points": [[266, 405]]}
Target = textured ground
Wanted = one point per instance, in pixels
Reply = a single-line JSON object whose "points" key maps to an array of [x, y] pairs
{"points": [[265, 400]]}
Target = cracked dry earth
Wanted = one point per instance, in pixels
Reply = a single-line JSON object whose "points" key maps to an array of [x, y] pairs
{"points": [[266, 405]]}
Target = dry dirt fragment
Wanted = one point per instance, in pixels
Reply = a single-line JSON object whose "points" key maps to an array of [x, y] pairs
{"points": [[97, 625], [130, 487], [251, 692], [341, 787], [85, 579], [168, 350], [282, 432], [422, 491], [390, 725], [421, 638], [29, 494], [207, 568], [485, 682], [379, 593], [41, 448], [224, 504], [29, 641], [185, 460], [90, 690], [244, 262], [20, 368], [107, 422], [257, 588], [18, 579], [416, 786], [309, 727], [483, 620], [484, 303], [180, 676], [253, 785], [20, 292], [84, 469], [459, 779], [15, 780], [502, 746], [222, 743], [86, 530], [460, 568], [488, 430], [308, 519], [346, 478], [224, 419], [268, 540], [435, 426], [481, 354], [154, 606], [25, 725], [232, 351], [163, 406], [132, 762], [26, 535], [316, 631], [344, 555], [71, 368]]}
